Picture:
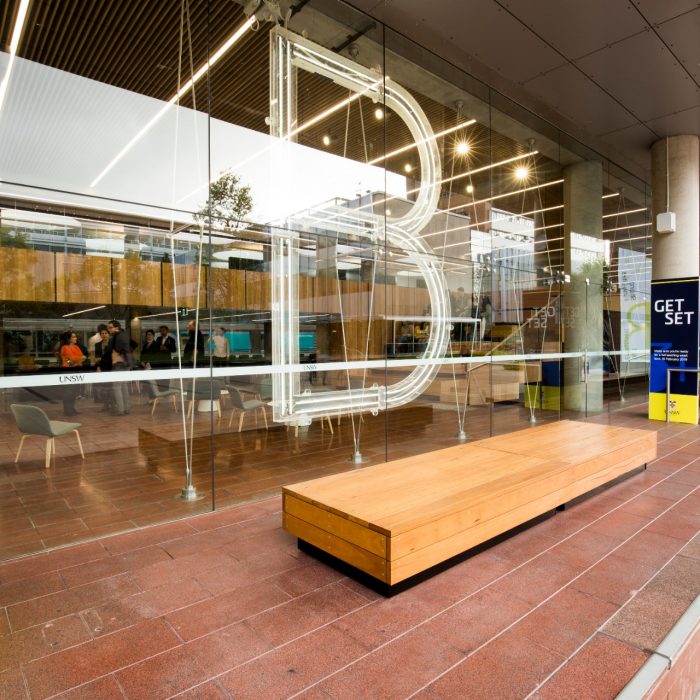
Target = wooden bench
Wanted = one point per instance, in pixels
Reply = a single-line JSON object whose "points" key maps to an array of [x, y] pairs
{"points": [[398, 519]]}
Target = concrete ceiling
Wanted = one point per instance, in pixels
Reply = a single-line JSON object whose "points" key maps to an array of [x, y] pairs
{"points": [[616, 74]]}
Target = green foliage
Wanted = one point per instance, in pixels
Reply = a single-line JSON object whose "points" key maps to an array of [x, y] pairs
{"points": [[13, 239], [228, 204]]}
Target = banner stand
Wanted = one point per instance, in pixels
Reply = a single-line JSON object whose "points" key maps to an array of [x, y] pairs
{"points": [[674, 346]]}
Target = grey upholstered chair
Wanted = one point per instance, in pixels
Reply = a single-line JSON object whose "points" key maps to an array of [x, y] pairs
{"points": [[159, 393], [206, 390], [244, 406], [31, 420]]}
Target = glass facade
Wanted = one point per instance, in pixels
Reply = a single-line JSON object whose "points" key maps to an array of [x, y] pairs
{"points": [[314, 246]]}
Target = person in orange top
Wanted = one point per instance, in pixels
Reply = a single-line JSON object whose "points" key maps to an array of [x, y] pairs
{"points": [[71, 354], [71, 358]]}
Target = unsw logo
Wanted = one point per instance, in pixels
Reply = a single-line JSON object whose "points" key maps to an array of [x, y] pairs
{"points": [[71, 378]]}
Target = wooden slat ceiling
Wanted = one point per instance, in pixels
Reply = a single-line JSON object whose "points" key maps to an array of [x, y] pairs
{"points": [[142, 45]]}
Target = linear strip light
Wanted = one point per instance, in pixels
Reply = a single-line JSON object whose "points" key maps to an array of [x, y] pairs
{"points": [[450, 179], [613, 194], [489, 167], [165, 313], [622, 241], [515, 244], [505, 194], [14, 44], [201, 71], [624, 228], [468, 173], [466, 227], [418, 143], [623, 213], [295, 132], [84, 311], [329, 111]]}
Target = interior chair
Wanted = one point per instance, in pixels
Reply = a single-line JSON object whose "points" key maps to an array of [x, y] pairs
{"points": [[244, 406], [31, 420], [158, 392], [206, 390]]}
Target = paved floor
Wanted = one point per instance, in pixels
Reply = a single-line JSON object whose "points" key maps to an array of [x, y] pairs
{"points": [[223, 605], [135, 465]]}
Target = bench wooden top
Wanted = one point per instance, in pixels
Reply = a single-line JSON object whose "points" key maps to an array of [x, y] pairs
{"points": [[430, 486]]}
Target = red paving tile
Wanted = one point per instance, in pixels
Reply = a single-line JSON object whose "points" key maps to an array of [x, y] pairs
{"points": [[304, 579], [614, 579], [224, 605], [584, 548], [55, 605], [598, 672], [105, 688], [42, 640], [162, 676], [539, 578], [477, 619], [509, 667], [209, 615], [294, 667], [565, 621], [386, 672], [227, 648], [305, 613], [210, 690], [155, 573], [18, 591], [86, 662], [124, 612], [12, 686]]}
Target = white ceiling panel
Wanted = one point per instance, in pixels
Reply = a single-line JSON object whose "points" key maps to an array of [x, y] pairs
{"points": [[657, 11], [683, 37], [575, 97], [577, 28], [643, 75]]}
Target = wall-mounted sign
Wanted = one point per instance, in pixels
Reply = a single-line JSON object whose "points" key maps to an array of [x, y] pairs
{"points": [[674, 344]]}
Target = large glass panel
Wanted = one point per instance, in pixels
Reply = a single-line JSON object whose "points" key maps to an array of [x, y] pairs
{"points": [[325, 248], [100, 139]]}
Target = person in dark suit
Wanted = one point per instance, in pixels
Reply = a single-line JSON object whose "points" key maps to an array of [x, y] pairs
{"points": [[194, 347], [166, 347]]}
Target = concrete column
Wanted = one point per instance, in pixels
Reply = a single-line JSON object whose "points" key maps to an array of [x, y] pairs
{"points": [[582, 303], [676, 255]]}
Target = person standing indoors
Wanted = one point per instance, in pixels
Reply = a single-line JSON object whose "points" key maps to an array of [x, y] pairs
{"points": [[165, 347], [72, 359], [220, 346], [194, 347], [149, 351], [93, 340], [121, 362], [103, 363]]}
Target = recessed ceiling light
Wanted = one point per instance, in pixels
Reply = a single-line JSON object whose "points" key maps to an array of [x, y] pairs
{"points": [[470, 189], [379, 113], [407, 168], [326, 140], [521, 173], [462, 148]]}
